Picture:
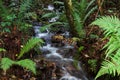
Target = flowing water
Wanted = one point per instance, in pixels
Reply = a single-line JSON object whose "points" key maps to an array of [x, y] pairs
{"points": [[60, 54], [57, 54]]}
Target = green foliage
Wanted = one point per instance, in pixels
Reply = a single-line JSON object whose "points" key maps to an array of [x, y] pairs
{"points": [[80, 48], [43, 28], [56, 14], [110, 67], [28, 64], [2, 49], [111, 27], [81, 11], [49, 15], [6, 63], [15, 16], [93, 64], [6, 16], [29, 45], [3, 9], [25, 6]]}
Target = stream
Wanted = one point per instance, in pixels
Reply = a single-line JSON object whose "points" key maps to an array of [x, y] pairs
{"points": [[60, 54]]}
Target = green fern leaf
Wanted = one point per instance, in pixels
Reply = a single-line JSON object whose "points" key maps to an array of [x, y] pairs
{"points": [[49, 15], [3, 9], [6, 63], [90, 4], [112, 46], [110, 67], [111, 26], [25, 5], [89, 12], [29, 45], [108, 23], [43, 28], [28, 64]]}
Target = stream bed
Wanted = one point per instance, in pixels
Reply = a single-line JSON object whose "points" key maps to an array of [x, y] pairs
{"points": [[60, 54]]}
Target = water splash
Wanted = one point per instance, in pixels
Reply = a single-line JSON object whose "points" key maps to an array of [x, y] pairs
{"points": [[67, 76], [50, 7]]}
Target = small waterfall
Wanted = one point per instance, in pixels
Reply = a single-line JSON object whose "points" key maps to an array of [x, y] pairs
{"points": [[57, 54], [53, 54]]}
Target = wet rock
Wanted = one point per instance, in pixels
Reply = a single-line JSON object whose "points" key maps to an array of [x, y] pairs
{"points": [[57, 44], [66, 52]]}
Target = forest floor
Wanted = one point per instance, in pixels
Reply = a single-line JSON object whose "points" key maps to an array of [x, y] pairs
{"points": [[92, 43]]}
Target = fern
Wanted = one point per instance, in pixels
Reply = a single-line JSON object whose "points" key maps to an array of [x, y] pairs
{"points": [[25, 5], [29, 45], [3, 9], [28, 64], [43, 28], [6, 63], [110, 67], [81, 11], [111, 27], [84, 9], [49, 15]]}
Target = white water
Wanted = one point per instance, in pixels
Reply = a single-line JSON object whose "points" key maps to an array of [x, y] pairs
{"points": [[54, 54]]}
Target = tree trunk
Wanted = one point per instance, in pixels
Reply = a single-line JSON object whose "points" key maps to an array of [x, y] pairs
{"points": [[70, 18]]}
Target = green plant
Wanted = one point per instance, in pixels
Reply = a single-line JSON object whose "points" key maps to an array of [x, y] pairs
{"points": [[93, 64], [6, 63], [111, 27], [2, 49], [29, 45], [58, 16], [48, 26], [14, 16], [81, 11]]}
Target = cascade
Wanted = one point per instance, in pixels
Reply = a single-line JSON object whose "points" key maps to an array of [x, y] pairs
{"points": [[58, 54]]}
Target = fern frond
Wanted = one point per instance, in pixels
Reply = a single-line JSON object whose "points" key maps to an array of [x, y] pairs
{"points": [[28, 64], [90, 4], [3, 9], [43, 28], [79, 24], [89, 12], [6, 63], [109, 23], [49, 15], [25, 5], [110, 67], [29, 45], [83, 4], [111, 26]]}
